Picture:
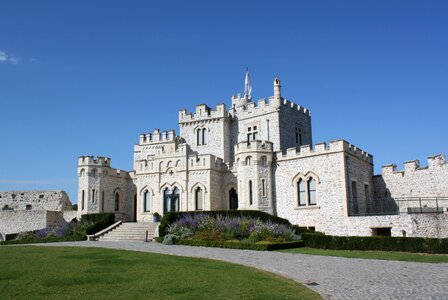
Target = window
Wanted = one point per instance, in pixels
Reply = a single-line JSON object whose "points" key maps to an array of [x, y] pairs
{"points": [[311, 191], [117, 201], [264, 161], [93, 172], [301, 192], [93, 196], [248, 160], [198, 137], [298, 136], [263, 187], [252, 134], [82, 172], [201, 136], [198, 196], [233, 199], [366, 193], [251, 200], [171, 199], [204, 140], [355, 198], [82, 200], [29, 207], [102, 201], [147, 201]]}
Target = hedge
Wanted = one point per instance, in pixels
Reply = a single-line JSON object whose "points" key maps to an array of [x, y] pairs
{"points": [[239, 245], [51, 239], [170, 217], [97, 222], [377, 243]]}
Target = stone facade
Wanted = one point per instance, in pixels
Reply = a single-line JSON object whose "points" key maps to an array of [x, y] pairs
{"points": [[23, 211], [260, 156]]}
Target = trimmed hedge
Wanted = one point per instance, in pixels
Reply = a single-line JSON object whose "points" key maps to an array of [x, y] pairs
{"points": [[51, 239], [170, 217], [97, 222], [377, 243], [239, 245]]}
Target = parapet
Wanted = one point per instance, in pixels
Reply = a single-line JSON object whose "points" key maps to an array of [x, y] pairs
{"points": [[205, 161], [254, 146], [202, 113], [411, 166], [323, 148], [157, 136], [96, 161]]}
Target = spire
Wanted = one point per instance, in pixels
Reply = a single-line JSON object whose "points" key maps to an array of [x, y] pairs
{"points": [[247, 85]]}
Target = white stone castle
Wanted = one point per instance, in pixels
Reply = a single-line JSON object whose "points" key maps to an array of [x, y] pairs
{"points": [[259, 156]]}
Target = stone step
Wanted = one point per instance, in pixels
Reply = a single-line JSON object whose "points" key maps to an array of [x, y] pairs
{"points": [[131, 232]]}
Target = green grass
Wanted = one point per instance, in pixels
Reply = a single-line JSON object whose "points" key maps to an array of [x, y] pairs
{"points": [[30, 272], [385, 255]]}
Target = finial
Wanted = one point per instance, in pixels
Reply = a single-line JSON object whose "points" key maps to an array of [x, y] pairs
{"points": [[247, 84]]}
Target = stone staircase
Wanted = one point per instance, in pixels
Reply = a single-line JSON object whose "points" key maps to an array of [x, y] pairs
{"points": [[131, 232]]}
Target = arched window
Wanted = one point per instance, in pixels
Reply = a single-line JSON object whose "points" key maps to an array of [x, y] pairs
{"points": [[82, 200], [171, 199], [102, 201], [248, 160], [117, 201], [147, 201], [204, 138], [251, 200], [93, 172], [198, 137], [264, 161], [301, 191], [311, 191], [198, 197], [82, 172], [233, 199]]}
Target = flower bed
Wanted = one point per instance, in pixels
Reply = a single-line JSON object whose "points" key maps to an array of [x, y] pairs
{"points": [[231, 231]]}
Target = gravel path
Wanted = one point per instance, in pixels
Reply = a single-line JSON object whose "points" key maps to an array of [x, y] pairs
{"points": [[332, 277]]}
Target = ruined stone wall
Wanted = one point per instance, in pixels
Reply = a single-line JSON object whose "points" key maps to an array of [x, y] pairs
{"points": [[35, 200]]}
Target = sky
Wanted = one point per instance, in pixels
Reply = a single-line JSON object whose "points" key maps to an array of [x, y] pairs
{"points": [[87, 77]]}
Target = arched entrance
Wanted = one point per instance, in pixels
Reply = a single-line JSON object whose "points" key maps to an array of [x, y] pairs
{"points": [[171, 200], [233, 199]]}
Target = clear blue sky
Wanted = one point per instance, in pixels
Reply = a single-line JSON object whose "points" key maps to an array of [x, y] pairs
{"points": [[87, 77]]}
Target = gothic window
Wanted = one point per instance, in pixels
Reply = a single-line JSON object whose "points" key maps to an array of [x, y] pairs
{"points": [[311, 191], [301, 190], [248, 160], [147, 201], [198, 196], [93, 196], [171, 200], [251, 200], [198, 137], [82, 200], [117, 201], [82, 172], [204, 138]]}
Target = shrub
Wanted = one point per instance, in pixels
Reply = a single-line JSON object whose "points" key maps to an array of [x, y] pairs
{"points": [[379, 243], [263, 246], [96, 222], [171, 217]]}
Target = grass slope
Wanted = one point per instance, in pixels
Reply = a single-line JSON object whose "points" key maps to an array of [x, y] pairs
{"points": [[75, 273], [385, 255]]}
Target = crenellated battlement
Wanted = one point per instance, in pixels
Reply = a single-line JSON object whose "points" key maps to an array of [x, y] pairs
{"points": [[158, 136], [323, 148], [254, 146], [205, 161], [203, 113], [95, 161], [434, 162], [294, 106]]}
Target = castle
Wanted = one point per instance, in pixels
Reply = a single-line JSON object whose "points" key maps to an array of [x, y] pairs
{"points": [[259, 156]]}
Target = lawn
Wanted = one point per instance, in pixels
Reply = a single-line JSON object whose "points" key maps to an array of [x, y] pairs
{"points": [[74, 273], [385, 255]]}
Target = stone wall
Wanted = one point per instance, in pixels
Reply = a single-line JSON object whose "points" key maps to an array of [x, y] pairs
{"points": [[23, 221], [35, 200]]}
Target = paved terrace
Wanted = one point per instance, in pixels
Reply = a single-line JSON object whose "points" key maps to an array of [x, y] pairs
{"points": [[336, 277]]}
